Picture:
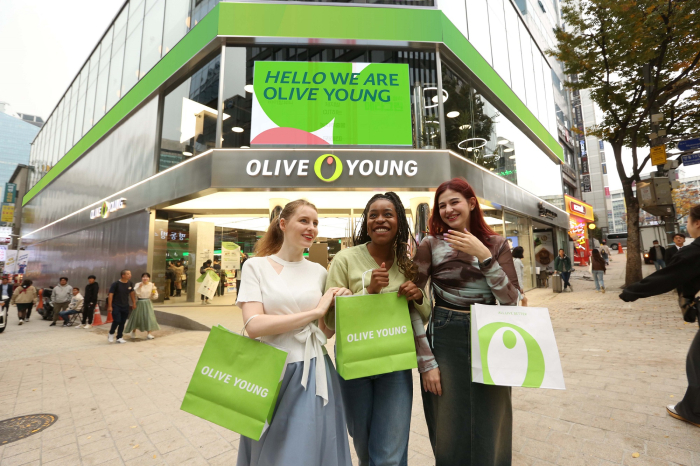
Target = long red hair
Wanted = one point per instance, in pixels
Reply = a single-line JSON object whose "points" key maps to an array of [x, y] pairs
{"points": [[477, 225]]}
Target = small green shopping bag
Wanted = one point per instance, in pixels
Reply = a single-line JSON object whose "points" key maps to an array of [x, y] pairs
{"points": [[373, 335], [236, 383]]}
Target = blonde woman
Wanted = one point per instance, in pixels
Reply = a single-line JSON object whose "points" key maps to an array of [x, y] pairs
{"points": [[283, 302]]}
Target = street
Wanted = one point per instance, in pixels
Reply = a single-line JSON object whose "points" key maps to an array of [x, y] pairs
{"points": [[119, 404]]}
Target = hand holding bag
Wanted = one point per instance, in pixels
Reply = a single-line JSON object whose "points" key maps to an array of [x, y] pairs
{"points": [[236, 382]]}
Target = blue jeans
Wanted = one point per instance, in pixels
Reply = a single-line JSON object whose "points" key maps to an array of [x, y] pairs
{"points": [[598, 277], [659, 264], [471, 423], [65, 314], [378, 414], [565, 278]]}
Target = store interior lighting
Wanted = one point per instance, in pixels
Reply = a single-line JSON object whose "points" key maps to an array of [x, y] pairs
{"points": [[464, 127], [248, 88], [510, 149], [503, 142], [237, 129], [452, 114]]}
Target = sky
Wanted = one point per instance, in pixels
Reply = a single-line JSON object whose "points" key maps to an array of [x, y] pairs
{"points": [[43, 44]]}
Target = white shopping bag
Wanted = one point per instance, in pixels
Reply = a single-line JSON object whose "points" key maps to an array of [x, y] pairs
{"points": [[208, 283], [515, 347]]}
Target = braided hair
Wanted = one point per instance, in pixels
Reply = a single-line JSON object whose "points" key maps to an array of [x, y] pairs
{"points": [[401, 241]]}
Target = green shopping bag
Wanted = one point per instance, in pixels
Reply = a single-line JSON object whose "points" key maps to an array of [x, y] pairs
{"points": [[373, 335], [236, 382]]}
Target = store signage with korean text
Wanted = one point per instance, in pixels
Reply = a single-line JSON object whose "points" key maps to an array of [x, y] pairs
{"points": [[327, 103], [10, 193], [8, 213], [586, 183], [658, 155], [691, 159]]}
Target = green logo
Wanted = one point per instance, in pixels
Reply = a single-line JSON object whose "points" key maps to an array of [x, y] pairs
{"points": [[535, 358], [104, 210], [328, 158]]}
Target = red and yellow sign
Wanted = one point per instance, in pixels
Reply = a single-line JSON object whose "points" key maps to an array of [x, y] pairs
{"points": [[580, 215], [578, 208]]}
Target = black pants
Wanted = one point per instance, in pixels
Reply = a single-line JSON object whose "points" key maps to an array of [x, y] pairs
{"points": [[88, 312], [119, 316], [23, 310], [471, 423], [689, 407]]}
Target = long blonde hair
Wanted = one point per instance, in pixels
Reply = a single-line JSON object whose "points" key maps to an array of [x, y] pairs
{"points": [[271, 243]]}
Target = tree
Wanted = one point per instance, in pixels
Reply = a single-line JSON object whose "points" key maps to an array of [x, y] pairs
{"points": [[606, 44]]}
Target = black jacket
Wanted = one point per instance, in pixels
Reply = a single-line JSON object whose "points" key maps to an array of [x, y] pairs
{"points": [[670, 253], [652, 253], [683, 273], [90, 296], [10, 289]]}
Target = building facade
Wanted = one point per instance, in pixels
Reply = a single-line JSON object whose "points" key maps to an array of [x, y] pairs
{"points": [[16, 136], [168, 146]]}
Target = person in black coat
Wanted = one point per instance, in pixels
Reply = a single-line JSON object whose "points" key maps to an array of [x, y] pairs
{"points": [[7, 290], [678, 242], [89, 301], [684, 274], [656, 255]]}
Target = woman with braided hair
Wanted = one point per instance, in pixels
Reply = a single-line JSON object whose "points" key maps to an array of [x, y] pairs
{"points": [[378, 408]]}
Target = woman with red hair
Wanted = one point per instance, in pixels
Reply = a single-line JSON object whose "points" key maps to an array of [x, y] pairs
{"points": [[467, 263]]}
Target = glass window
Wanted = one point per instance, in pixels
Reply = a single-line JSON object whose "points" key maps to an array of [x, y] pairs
{"points": [[90, 94], [103, 78], [189, 116], [478, 23], [200, 8], [151, 47], [551, 123], [132, 50], [499, 41], [64, 126], [539, 82], [518, 234], [117, 62], [177, 22], [80, 104], [528, 70], [514, 52]]}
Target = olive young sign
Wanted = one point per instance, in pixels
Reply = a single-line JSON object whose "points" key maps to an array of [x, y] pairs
{"points": [[107, 207], [320, 103]]}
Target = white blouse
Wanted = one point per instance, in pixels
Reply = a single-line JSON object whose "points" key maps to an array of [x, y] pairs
{"points": [[297, 288], [148, 291]]}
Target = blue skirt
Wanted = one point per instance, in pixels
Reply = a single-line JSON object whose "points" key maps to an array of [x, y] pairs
{"points": [[303, 432]]}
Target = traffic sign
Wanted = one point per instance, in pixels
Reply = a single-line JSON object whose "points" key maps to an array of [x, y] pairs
{"points": [[690, 144], [691, 159]]}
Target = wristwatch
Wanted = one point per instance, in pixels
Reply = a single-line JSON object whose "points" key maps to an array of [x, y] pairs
{"points": [[485, 263]]}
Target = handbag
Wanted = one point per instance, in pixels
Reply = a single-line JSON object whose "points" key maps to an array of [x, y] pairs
{"points": [[690, 308], [236, 382], [374, 335]]}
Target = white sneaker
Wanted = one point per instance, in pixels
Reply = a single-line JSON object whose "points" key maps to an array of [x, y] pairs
{"points": [[79, 326], [150, 337], [133, 334], [21, 322], [121, 340], [27, 319], [111, 338], [87, 326]]}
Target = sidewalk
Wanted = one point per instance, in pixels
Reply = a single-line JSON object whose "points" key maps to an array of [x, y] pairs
{"points": [[119, 404]]}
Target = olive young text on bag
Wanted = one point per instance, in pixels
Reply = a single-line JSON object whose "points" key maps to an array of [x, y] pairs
{"points": [[373, 335], [236, 382], [515, 347]]}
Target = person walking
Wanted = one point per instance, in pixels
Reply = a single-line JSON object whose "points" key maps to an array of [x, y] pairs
{"points": [[378, 408], [282, 298], [76, 304], [178, 271], [683, 273], [598, 270], [518, 254], [60, 298], [657, 254], [605, 252], [466, 263], [678, 243], [169, 276], [121, 296], [6, 292], [25, 297], [92, 290], [143, 318], [562, 264], [206, 267]]}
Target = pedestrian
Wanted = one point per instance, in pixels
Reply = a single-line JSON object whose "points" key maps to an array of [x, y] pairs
{"points": [[121, 297], [239, 273], [466, 263], [605, 252], [92, 289], [678, 242], [76, 304], [7, 289], [25, 297], [518, 255], [60, 298], [657, 254], [169, 276], [562, 264], [378, 408], [143, 318], [683, 273], [203, 270], [282, 299], [598, 270], [179, 272]]}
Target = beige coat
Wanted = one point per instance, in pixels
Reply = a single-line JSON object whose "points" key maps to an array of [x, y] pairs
{"points": [[24, 297]]}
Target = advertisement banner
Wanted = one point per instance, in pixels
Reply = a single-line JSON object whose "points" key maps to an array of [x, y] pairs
{"points": [[322, 103], [230, 256], [8, 213]]}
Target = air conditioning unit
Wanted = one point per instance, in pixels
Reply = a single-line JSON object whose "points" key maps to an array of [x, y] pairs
{"points": [[654, 196]]}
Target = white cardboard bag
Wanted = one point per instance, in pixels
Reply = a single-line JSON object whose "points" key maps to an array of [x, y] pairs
{"points": [[515, 347]]}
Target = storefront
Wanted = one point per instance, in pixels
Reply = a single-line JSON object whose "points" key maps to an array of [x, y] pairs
{"points": [[580, 216]]}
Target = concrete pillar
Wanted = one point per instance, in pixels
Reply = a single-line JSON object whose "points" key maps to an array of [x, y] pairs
{"points": [[201, 247]]}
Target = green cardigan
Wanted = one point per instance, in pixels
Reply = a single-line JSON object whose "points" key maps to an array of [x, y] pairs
{"points": [[347, 269]]}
